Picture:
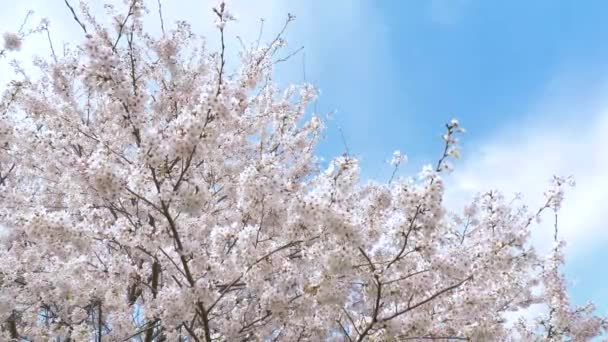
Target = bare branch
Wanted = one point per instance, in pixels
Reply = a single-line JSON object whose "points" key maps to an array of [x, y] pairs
{"points": [[428, 299], [160, 16], [76, 16]]}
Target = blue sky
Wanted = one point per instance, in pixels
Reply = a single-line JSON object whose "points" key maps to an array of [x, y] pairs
{"points": [[427, 61], [527, 79]]}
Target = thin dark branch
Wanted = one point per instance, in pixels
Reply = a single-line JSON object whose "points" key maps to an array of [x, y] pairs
{"points": [[377, 304], [191, 333], [369, 261], [76, 16], [205, 320], [344, 331], [352, 322], [3, 178], [160, 15], [172, 261], [405, 277], [223, 292], [406, 236], [346, 149], [122, 25], [430, 298], [220, 15], [27, 16], [144, 327], [99, 322], [257, 46], [286, 58], [48, 36], [252, 323], [290, 18]]}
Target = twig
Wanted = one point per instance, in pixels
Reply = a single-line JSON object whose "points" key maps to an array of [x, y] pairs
{"points": [[344, 141], [344, 331], [160, 15], [48, 36], [290, 18], [27, 16], [257, 46], [284, 59], [122, 25], [76, 16], [430, 298]]}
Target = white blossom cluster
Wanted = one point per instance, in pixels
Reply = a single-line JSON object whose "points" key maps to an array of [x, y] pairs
{"points": [[398, 158], [149, 193]]}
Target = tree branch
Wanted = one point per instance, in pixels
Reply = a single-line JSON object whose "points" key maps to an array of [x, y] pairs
{"points": [[76, 16]]}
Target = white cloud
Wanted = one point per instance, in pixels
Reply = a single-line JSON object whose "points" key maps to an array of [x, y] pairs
{"points": [[565, 133], [523, 158]]}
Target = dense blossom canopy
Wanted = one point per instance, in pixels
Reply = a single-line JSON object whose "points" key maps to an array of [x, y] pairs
{"points": [[150, 193]]}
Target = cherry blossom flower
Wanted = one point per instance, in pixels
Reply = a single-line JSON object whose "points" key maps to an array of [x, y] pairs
{"points": [[12, 41], [149, 192]]}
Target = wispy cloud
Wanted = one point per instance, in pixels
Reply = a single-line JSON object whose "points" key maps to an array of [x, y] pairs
{"points": [[523, 157]]}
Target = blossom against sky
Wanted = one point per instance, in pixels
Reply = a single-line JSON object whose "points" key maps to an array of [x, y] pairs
{"points": [[527, 80]]}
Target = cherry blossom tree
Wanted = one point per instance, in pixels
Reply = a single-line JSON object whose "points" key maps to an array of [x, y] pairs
{"points": [[150, 192]]}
